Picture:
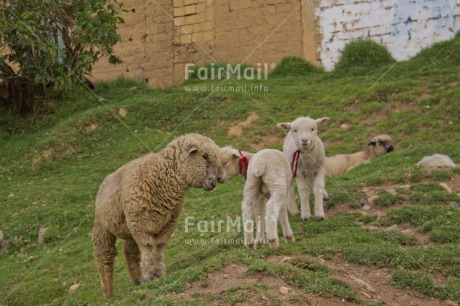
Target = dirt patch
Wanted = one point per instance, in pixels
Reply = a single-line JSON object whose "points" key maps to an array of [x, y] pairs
{"points": [[44, 156], [266, 142], [237, 130], [454, 183], [386, 111], [454, 83], [372, 284], [219, 282], [90, 127]]}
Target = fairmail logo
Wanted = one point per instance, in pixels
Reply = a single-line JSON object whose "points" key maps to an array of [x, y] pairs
{"points": [[219, 71]]}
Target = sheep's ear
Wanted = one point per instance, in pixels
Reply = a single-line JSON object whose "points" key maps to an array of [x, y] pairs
{"points": [[284, 125], [235, 155], [192, 150], [322, 121]]}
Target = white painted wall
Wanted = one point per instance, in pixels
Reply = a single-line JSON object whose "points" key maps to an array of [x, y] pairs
{"points": [[404, 26]]}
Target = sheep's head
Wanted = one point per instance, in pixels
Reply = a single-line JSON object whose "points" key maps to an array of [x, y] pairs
{"points": [[304, 131], [380, 145], [230, 166], [202, 161]]}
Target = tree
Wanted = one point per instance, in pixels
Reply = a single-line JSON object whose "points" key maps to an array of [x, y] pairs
{"points": [[54, 43]]}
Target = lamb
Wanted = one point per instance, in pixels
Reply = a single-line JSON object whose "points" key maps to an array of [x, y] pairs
{"points": [[141, 202], [339, 164], [306, 151], [268, 177]]}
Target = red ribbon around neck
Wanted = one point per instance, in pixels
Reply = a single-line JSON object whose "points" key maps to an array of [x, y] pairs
{"points": [[243, 165], [295, 162]]}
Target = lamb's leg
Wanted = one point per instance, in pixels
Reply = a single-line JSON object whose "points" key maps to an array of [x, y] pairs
{"points": [[133, 258], [251, 192], [325, 195], [318, 189], [274, 204], [292, 205], [284, 220], [260, 219], [304, 193], [104, 254]]}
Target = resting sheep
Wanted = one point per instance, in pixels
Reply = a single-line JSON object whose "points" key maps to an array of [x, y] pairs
{"points": [[268, 177], [339, 164], [141, 202], [305, 150]]}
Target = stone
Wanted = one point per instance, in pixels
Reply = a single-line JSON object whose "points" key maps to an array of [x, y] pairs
{"points": [[41, 233], [454, 204], [285, 258], [284, 290], [73, 288], [437, 161], [372, 199], [344, 126], [446, 187]]}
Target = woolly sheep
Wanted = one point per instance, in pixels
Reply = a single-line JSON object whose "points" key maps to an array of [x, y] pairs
{"points": [[268, 177], [303, 139], [141, 202], [339, 164]]}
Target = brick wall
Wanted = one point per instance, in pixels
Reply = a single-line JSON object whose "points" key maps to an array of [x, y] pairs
{"points": [[404, 26], [161, 36]]}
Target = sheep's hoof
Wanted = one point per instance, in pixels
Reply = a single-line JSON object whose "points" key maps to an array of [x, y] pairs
{"points": [[289, 238], [259, 241], [325, 198], [274, 244], [305, 219], [294, 211], [318, 218], [251, 247]]}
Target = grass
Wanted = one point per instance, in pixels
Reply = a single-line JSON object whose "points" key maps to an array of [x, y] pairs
{"points": [[52, 165]]}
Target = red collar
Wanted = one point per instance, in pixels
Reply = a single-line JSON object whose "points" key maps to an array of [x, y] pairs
{"points": [[295, 162], [243, 165]]}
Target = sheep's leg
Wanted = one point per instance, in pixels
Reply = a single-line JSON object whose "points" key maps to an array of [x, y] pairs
{"points": [[104, 254], [284, 220], [304, 193], [273, 211], [260, 217], [325, 195], [292, 205], [251, 193], [133, 258], [318, 189]]}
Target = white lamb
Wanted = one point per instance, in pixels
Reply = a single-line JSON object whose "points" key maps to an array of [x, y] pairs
{"points": [[268, 177], [305, 150]]}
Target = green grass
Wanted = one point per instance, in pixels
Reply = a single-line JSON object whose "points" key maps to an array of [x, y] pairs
{"points": [[53, 163], [361, 55]]}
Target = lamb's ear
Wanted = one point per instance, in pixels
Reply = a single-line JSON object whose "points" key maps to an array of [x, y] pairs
{"points": [[284, 125], [192, 149], [236, 155], [322, 121]]}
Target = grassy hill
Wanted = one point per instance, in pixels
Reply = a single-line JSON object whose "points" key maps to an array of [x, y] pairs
{"points": [[52, 165]]}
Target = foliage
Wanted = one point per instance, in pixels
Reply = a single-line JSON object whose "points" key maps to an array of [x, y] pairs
{"points": [[294, 66], [361, 55], [55, 43]]}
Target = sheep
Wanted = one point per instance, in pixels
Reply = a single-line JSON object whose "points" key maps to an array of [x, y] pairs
{"points": [[141, 202], [306, 151], [268, 177], [339, 164]]}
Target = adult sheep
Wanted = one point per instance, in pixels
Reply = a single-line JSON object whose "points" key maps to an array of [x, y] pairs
{"points": [[268, 177], [141, 202], [305, 150]]}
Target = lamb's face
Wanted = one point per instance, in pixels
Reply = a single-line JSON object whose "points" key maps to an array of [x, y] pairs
{"points": [[230, 166], [304, 131], [203, 163], [381, 144]]}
